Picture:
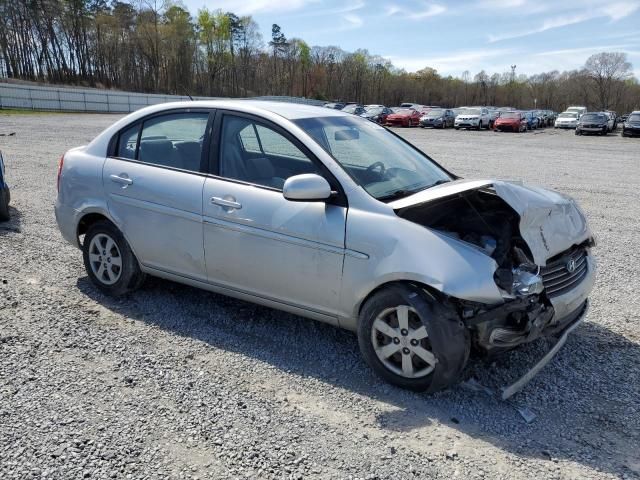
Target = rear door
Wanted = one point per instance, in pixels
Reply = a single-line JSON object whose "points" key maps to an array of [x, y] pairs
{"points": [[154, 179], [255, 240]]}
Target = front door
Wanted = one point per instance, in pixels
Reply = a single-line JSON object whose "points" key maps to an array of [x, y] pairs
{"points": [[255, 240], [154, 188]]}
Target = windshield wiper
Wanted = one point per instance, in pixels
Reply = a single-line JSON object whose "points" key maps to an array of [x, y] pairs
{"points": [[439, 182], [398, 194], [405, 192]]}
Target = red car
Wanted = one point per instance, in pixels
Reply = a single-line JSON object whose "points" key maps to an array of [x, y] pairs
{"points": [[512, 121], [403, 117]]}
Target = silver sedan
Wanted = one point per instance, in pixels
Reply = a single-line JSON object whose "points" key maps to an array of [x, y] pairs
{"points": [[332, 217]]}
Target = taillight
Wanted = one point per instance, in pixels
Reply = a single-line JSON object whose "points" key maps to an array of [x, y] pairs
{"points": [[60, 163]]}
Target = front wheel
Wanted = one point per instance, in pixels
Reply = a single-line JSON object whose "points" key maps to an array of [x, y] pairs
{"points": [[412, 339], [109, 261]]}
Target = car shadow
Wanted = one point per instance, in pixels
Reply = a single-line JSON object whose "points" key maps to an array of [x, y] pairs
{"points": [[13, 225], [575, 420]]}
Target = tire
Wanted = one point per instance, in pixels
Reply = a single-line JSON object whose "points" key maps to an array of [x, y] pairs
{"points": [[114, 280], [444, 340], [457, 128], [604, 132], [4, 205]]}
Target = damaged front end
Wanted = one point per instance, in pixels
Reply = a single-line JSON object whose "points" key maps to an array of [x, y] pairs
{"points": [[540, 242]]}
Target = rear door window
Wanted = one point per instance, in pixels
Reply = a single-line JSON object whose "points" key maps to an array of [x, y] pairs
{"points": [[174, 140], [128, 142]]}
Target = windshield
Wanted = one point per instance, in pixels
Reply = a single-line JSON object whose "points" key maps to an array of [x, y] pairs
{"points": [[590, 117], [384, 165], [567, 115], [509, 115], [374, 110], [435, 113], [634, 117], [469, 111]]}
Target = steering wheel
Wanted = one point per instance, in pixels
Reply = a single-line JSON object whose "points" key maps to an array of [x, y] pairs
{"points": [[375, 165]]}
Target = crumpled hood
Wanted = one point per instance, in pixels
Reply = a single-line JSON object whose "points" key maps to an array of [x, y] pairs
{"points": [[550, 222]]}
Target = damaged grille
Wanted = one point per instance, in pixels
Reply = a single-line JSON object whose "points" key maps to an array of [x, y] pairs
{"points": [[561, 275]]}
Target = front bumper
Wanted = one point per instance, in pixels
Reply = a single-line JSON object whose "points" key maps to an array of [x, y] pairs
{"points": [[631, 131], [396, 123], [467, 123], [576, 319], [431, 123], [566, 125], [506, 126], [592, 129]]}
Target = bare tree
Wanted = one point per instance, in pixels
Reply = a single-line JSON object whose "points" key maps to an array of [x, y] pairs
{"points": [[606, 69]]}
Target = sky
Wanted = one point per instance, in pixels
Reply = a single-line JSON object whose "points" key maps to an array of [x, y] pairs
{"points": [[454, 36]]}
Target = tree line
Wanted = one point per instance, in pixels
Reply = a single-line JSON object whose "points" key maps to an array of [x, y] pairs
{"points": [[158, 46]]}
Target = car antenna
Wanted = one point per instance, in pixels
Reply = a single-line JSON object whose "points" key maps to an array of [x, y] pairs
{"points": [[187, 93]]}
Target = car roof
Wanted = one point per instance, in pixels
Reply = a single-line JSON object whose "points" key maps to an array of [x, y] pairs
{"points": [[290, 111]]}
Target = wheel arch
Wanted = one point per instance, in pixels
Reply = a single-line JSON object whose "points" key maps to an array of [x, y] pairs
{"points": [[429, 289], [87, 219]]}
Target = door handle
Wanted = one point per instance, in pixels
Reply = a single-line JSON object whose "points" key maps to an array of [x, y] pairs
{"points": [[223, 202], [124, 180]]}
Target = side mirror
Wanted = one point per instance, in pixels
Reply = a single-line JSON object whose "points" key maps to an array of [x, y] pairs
{"points": [[307, 187]]}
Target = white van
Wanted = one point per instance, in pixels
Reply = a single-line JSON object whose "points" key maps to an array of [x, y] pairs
{"points": [[579, 110]]}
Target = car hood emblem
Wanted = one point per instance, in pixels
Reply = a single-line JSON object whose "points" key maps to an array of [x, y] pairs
{"points": [[571, 266]]}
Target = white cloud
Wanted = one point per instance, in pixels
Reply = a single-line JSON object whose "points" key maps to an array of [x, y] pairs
{"points": [[251, 7], [353, 21], [428, 10], [472, 60], [614, 11]]}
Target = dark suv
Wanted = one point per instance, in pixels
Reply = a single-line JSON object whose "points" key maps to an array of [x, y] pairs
{"points": [[631, 125], [593, 123]]}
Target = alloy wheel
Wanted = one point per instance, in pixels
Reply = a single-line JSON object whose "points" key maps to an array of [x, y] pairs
{"points": [[105, 259], [401, 342]]}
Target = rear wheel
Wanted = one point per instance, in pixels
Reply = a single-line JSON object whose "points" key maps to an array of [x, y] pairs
{"points": [[109, 261], [411, 339]]}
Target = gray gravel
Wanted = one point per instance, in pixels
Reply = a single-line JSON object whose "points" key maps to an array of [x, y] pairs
{"points": [[173, 382]]}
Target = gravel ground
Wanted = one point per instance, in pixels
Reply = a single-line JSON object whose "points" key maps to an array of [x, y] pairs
{"points": [[174, 382]]}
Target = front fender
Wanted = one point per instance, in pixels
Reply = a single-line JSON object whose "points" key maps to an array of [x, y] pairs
{"points": [[398, 250]]}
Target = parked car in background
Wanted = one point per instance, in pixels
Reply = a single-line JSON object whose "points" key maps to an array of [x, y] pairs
{"points": [[473, 117], [566, 120], [593, 122], [631, 126], [623, 118], [613, 123], [533, 122], [542, 118], [579, 110], [335, 106], [438, 118], [493, 114], [512, 121], [5, 193], [551, 115], [403, 117], [328, 216], [376, 114], [354, 109], [373, 105], [416, 106]]}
